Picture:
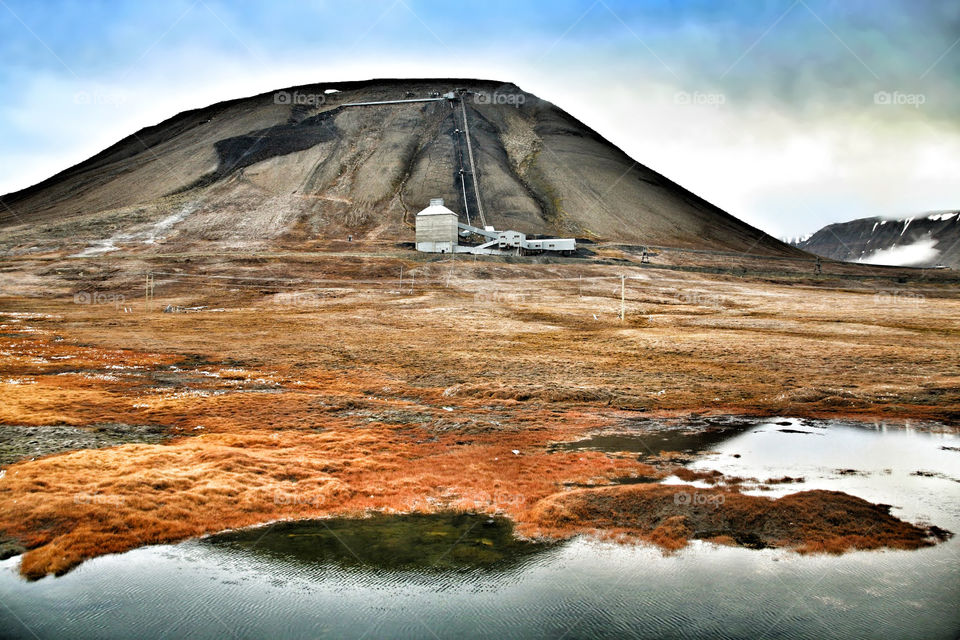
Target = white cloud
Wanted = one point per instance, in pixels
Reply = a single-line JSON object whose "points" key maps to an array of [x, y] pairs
{"points": [[920, 252], [781, 170]]}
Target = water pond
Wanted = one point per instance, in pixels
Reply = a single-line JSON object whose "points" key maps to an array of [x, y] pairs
{"points": [[466, 576]]}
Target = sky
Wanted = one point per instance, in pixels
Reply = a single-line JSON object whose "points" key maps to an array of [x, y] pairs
{"points": [[789, 114]]}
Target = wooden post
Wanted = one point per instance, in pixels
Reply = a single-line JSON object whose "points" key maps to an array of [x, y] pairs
{"points": [[623, 304]]}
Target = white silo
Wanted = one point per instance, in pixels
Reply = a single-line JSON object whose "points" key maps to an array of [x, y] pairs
{"points": [[437, 230]]}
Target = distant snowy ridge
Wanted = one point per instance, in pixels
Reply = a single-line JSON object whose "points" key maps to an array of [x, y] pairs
{"points": [[925, 240], [919, 253]]}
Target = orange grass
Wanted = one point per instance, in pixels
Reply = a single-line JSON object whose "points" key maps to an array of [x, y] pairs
{"points": [[670, 516], [262, 457], [339, 409]]}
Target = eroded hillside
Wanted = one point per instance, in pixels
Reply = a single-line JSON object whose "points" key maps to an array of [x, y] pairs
{"points": [[271, 169]]}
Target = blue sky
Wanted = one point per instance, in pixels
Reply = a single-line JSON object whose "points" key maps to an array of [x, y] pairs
{"points": [[790, 114]]}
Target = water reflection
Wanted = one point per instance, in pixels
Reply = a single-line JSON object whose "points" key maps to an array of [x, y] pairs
{"points": [[914, 469], [462, 576], [651, 438], [436, 542]]}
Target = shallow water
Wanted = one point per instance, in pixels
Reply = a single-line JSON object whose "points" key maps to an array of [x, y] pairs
{"points": [[466, 577], [650, 438], [424, 543], [915, 470]]}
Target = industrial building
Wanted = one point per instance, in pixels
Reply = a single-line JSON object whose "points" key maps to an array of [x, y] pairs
{"points": [[439, 230]]}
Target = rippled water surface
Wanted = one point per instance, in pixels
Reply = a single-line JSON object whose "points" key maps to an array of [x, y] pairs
{"points": [[464, 576]]}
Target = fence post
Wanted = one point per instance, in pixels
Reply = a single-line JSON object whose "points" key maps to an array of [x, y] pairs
{"points": [[623, 304]]}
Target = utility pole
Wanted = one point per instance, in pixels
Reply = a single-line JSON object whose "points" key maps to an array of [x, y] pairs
{"points": [[148, 293], [623, 297]]}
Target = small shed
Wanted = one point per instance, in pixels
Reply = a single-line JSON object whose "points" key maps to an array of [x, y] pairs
{"points": [[437, 230]]}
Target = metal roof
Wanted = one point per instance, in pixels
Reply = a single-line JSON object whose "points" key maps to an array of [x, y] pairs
{"points": [[436, 210]]}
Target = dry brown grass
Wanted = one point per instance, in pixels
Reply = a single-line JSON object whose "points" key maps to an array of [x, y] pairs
{"points": [[261, 457], [670, 516], [690, 475], [337, 407]]}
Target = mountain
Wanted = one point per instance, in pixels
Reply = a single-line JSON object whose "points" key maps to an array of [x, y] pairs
{"points": [[926, 240], [298, 167]]}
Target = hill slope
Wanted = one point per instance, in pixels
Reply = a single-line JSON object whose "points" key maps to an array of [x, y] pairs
{"points": [[922, 241], [258, 172]]}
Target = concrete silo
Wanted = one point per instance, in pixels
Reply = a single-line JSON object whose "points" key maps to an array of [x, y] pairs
{"points": [[437, 230]]}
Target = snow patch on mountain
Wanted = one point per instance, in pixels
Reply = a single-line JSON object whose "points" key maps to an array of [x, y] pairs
{"points": [[150, 234], [919, 252]]}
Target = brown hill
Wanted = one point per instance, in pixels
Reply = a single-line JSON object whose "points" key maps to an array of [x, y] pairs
{"points": [[259, 171]]}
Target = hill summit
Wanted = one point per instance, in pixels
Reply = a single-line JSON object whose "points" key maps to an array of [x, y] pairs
{"points": [[303, 164]]}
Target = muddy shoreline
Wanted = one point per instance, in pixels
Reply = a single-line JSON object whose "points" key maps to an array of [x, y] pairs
{"points": [[29, 442]]}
